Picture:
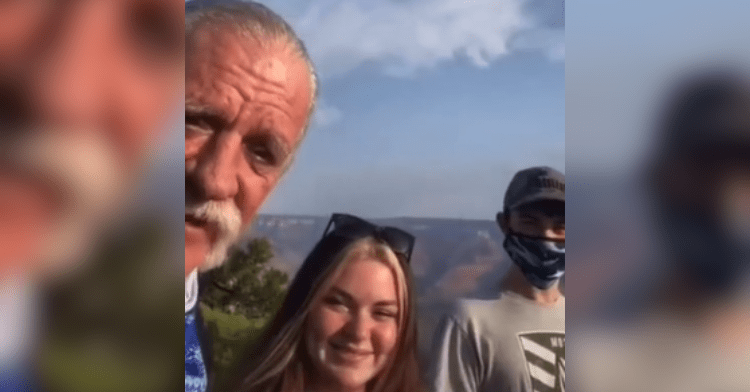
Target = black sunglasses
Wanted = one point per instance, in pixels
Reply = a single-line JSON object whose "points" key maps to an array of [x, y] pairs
{"points": [[352, 227]]}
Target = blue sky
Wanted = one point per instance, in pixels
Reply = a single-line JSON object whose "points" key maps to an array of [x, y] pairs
{"points": [[427, 108], [624, 58]]}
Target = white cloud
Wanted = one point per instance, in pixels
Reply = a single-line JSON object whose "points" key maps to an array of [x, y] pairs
{"points": [[406, 36]]}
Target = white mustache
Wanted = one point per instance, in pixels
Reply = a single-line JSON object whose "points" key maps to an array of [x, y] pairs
{"points": [[84, 171], [224, 214], [228, 220], [81, 166]]}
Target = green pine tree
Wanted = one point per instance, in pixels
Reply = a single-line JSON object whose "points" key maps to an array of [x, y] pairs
{"points": [[239, 299]]}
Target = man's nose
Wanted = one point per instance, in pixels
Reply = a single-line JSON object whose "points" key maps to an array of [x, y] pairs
{"points": [[71, 84], [554, 233], [218, 172]]}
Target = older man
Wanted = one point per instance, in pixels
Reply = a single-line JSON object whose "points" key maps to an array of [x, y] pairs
{"points": [[250, 89], [84, 88]]}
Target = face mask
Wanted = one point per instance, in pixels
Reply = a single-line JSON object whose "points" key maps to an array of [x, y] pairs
{"points": [[704, 251], [541, 261]]}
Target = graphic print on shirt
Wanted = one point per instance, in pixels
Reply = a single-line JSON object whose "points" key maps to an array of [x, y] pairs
{"points": [[544, 353]]}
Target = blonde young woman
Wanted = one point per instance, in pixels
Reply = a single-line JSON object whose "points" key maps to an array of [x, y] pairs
{"points": [[348, 321]]}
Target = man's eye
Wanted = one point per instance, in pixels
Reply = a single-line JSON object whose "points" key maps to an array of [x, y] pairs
{"points": [[202, 123], [192, 131], [261, 154], [265, 153]]}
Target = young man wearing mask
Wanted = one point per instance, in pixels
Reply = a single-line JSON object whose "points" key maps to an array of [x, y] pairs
{"points": [[517, 341]]}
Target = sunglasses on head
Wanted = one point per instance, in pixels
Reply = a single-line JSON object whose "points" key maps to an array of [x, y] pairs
{"points": [[352, 227]]}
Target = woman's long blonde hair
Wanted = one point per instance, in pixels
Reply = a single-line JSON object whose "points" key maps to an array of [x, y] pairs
{"points": [[279, 360]]}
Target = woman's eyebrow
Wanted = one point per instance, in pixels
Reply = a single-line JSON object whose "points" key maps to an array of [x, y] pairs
{"points": [[349, 298], [343, 293], [387, 303]]}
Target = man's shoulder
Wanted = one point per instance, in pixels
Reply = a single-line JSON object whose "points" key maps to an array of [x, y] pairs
{"points": [[466, 311]]}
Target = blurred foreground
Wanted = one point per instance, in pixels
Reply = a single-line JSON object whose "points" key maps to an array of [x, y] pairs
{"points": [[89, 259], [658, 132]]}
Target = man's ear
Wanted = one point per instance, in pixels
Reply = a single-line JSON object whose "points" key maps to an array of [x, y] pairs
{"points": [[502, 221]]}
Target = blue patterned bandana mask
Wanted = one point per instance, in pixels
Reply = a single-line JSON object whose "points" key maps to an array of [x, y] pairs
{"points": [[541, 261]]}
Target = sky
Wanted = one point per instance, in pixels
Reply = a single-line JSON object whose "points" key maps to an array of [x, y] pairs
{"points": [[624, 58], [427, 108]]}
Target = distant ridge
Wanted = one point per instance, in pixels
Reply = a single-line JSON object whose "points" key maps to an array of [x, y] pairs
{"points": [[395, 218]]}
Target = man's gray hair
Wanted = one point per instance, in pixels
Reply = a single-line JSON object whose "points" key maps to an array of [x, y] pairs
{"points": [[254, 20]]}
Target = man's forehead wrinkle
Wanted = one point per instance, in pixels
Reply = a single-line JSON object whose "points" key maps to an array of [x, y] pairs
{"points": [[247, 98], [245, 74], [269, 63], [256, 88], [254, 92], [267, 69], [253, 107], [203, 99], [257, 82], [266, 97], [224, 98]]}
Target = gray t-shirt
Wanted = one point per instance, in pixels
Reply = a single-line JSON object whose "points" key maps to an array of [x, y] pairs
{"points": [[509, 344]]}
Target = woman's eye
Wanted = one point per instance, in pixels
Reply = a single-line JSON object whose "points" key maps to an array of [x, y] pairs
{"points": [[335, 302], [385, 314]]}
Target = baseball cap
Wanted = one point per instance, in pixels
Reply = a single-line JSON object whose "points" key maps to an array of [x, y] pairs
{"points": [[535, 184]]}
